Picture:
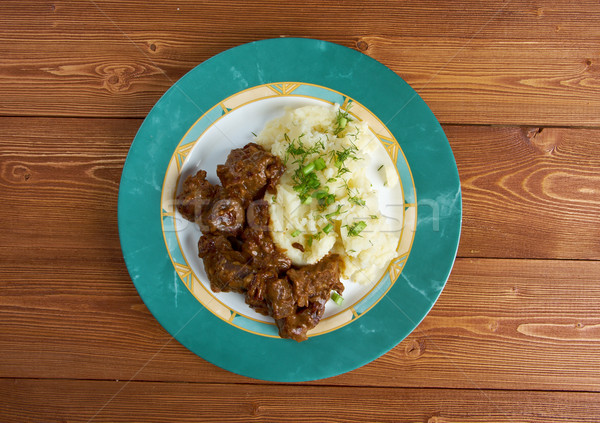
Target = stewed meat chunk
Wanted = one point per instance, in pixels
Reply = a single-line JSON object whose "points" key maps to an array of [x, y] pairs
{"points": [[311, 287], [249, 172], [195, 197], [227, 269], [258, 243], [238, 251]]}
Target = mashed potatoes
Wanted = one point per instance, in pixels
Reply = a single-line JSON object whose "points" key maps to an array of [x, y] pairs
{"points": [[324, 201]]}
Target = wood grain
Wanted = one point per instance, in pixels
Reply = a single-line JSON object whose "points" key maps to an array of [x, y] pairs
{"points": [[93, 401], [528, 192], [515, 335], [541, 193], [539, 197], [527, 20], [548, 51], [498, 324]]}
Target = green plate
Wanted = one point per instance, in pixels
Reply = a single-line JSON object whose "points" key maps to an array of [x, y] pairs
{"points": [[242, 87]]}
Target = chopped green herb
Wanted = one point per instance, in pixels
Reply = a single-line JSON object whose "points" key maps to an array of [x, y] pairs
{"points": [[305, 179], [337, 298], [342, 171], [374, 216], [335, 213], [322, 193], [296, 233], [357, 200], [253, 134], [274, 199], [379, 168], [326, 200], [356, 228], [342, 119], [308, 168], [319, 163], [328, 228], [340, 156], [355, 135]]}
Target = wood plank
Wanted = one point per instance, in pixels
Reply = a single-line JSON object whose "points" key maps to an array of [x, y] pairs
{"points": [[498, 324], [523, 206], [517, 19], [502, 82], [83, 61], [95, 401], [505, 324], [528, 192], [51, 170]]}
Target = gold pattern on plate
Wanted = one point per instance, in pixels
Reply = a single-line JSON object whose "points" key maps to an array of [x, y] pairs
{"points": [[332, 323], [182, 153], [243, 97], [409, 226], [391, 146], [396, 267], [284, 88], [202, 295], [375, 125], [185, 273]]}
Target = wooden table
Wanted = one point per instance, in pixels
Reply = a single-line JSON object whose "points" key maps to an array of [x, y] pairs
{"points": [[515, 335]]}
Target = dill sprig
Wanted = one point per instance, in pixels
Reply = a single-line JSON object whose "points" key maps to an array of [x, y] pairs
{"points": [[305, 178], [341, 119], [356, 228]]}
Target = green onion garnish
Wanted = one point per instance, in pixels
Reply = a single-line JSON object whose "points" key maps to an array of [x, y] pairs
{"points": [[357, 200], [308, 168], [335, 213], [319, 164], [356, 228], [296, 233], [328, 228], [337, 298], [342, 119], [320, 194]]}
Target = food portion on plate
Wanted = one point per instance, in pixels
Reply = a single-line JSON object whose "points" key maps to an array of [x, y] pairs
{"points": [[237, 249], [325, 202], [293, 215]]}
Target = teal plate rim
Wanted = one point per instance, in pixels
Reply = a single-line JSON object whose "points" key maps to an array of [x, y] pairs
{"points": [[423, 143]]}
